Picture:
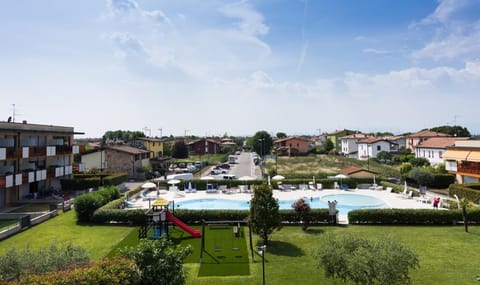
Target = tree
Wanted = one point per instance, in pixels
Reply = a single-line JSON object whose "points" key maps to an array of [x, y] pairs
{"points": [[281, 135], [123, 136], [457, 131], [264, 214], [302, 209], [421, 176], [261, 142], [363, 261], [160, 262], [419, 162], [464, 204], [405, 168], [180, 150], [384, 156], [327, 146]]}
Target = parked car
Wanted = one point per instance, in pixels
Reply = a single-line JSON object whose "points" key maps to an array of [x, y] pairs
{"points": [[224, 166], [217, 170]]}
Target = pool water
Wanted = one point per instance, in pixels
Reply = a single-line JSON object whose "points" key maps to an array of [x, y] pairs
{"points": [[346, 203]]}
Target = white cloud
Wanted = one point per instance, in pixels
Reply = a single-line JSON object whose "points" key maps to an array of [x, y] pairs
{"points": [[251, 22], [456, 31]]}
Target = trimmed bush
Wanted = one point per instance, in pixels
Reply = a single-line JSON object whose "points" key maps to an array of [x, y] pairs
{"points": [[468, 191], [86, 204], [442, 181], [411, 216], [113, 212]]}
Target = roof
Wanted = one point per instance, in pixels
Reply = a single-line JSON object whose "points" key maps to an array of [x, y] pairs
{"points": [[427, 134], [353, 169], [395, 138], [356, 136], [437, 142], [291, 138], [337, 132], [127, 149], [149, 139], [202, 140], [372, 140]]}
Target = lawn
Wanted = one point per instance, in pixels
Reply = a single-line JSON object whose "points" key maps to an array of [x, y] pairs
{"points": [[321, 166], [97, 240], [446, 254]]}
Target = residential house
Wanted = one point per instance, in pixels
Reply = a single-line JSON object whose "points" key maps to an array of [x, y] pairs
{"points": [[401, 141], [126, 159], [228, 145], [370, 147], [433, 149], [336, 136], [204, 146], [33, 159], [355, 172], [292, 146], [154, 145], [463, 160], [413, 139], [350, 146]]}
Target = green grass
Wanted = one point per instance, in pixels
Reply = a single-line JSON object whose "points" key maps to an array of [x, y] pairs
{"points": [[447, 255], [97, 240], [321, 166]]}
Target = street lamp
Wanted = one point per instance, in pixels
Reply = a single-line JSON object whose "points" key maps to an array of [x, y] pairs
{"points": [[263, 248]]}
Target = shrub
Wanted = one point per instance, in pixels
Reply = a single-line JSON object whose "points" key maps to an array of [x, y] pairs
{"points": [[17, 263], [410, 216], [465, 191], [118, 271], [442, 181], [86, 204]]}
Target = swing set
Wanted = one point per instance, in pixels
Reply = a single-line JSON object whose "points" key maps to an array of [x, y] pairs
{"points": [[222, 246]]}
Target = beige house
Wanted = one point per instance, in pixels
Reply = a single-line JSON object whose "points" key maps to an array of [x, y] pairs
{"points": [[416, 138], [292, 145], [463, 160], [117, 159], [154, 145]]}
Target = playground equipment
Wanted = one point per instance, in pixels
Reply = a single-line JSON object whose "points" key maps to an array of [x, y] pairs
{"points": [[236, 234], [158, 219]]}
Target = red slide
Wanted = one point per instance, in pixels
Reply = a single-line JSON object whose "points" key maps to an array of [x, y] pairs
{"points": [[194, 233]]}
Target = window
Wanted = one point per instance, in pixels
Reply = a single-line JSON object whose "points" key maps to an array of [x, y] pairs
{"points": [[379, 147], [440, 154]]}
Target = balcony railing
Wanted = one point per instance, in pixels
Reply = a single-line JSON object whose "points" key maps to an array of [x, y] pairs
{"points": [[469, 167]]}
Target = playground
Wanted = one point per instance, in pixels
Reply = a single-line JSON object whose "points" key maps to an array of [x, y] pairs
{"points": [[219, 247]]}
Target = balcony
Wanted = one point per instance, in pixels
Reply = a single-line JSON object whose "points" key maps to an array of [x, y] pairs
{"points": [[469, 167], [64, 149], [6, 181]]}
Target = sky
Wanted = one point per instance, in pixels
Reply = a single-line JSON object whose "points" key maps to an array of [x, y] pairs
{"points": [[210, 68]]}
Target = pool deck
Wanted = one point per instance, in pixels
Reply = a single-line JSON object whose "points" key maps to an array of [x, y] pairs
{"points": [[392, 200]]}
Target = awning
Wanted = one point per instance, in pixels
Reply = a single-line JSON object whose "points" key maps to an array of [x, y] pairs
{"points": [[459, 155], [474, 156]]}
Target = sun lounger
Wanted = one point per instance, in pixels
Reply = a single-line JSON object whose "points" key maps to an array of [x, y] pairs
{"points": [[319, 186], [312, 187]]}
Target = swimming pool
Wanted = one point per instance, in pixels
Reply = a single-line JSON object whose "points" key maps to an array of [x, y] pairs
{"points": [[346, 203]]}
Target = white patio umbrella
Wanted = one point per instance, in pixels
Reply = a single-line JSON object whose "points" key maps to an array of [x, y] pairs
{"points": [[149, 185], [173, 181], [246, 178], [341, 176], [374, 182], [269, 180], [278, 177]]}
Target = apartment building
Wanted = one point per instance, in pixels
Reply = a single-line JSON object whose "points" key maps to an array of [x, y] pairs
{"points": [[33, 159]]}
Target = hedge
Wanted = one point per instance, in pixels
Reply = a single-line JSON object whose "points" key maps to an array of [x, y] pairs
{"points": [[117, 271], [86, 204], [411, 216], [85, 181], [442, 181], [468, 191], [114, 212]]}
